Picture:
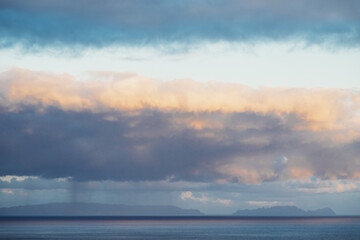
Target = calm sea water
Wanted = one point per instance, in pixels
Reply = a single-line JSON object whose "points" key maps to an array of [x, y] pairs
{"points": [[335, 228]]}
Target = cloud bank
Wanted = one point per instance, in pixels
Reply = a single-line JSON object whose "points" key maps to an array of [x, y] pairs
{"points": [[319, 109], [125, 127], [97, 23]]}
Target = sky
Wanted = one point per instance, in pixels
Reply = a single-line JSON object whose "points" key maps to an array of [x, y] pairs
{"points": [[211, 105]]}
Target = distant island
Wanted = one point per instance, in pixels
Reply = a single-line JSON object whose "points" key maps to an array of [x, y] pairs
{"points": [[96, 209], [285, 211], [100, 209]]}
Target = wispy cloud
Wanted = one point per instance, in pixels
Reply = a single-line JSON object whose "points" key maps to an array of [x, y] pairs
{"points": [[204, 199], [9, 178], [324, 186], [7, 191], [189, 195], [269, 203]]}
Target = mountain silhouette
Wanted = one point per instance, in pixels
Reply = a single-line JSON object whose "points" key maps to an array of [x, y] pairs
{"points": [[96, 209]]}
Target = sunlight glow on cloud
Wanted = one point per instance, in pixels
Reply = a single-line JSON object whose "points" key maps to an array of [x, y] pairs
{"points": [[321, 109]]}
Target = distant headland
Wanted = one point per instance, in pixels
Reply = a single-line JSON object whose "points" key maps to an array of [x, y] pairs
{"points": [[96, 209], [100, 209]]}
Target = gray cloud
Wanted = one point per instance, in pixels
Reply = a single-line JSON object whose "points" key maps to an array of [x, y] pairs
{"points": [[134, 23], [88, 147], [152, 146]]}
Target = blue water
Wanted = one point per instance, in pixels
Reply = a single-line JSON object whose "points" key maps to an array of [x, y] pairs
{"points": [[339, 228]]}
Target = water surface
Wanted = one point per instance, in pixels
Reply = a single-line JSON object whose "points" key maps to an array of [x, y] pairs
{"points": [[252, 228]]}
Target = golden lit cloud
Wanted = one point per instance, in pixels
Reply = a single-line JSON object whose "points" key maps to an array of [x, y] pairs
{"points": [[319, 109]]}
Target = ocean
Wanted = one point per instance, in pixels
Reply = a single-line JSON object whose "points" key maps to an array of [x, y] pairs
{"points": [[208, 227]]}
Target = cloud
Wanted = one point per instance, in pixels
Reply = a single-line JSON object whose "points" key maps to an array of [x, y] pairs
{"points": [[324, 186], [221, 201], [7, 191], [133, 23], [152, 146], [86, 146], [125, 127], [204, 199], [188, 195], [269, 203], [319, 109], [9, 178]]}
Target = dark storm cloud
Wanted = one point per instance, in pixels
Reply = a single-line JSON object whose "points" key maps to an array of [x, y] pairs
{"points": [[133, 23], [83, 145], [152, 145]]}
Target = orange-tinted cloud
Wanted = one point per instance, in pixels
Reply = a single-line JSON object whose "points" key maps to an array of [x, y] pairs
{"points": [[319, 109]]}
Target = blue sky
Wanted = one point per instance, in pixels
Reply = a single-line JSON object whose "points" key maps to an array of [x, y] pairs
{"points": [[214, 105]]}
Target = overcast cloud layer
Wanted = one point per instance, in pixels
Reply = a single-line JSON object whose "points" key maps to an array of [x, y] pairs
{"points": [[157, 23]]}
